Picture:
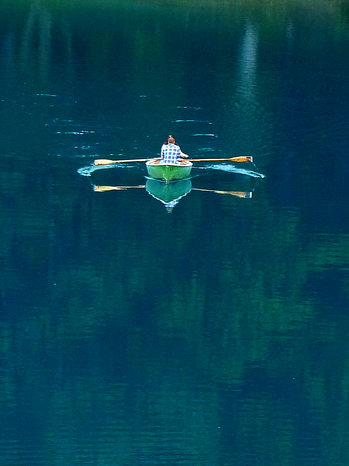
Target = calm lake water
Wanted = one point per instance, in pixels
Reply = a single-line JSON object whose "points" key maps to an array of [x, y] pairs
{"points": [[205, 323]]}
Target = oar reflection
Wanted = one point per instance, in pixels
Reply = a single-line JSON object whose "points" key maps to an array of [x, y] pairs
{"points": [[170, 194]]}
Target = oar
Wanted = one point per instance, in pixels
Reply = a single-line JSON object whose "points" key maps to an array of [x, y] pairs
{"points": [[102, 189], [108, 161], [241, 158], [242, 194]]}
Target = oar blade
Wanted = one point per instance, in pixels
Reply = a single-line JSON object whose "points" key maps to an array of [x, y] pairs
{"points": [[102, 189], [242, 158], [242, 194], [104, 162]]}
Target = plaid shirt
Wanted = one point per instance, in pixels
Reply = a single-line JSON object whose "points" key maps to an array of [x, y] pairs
{"points": [[170, 153]]}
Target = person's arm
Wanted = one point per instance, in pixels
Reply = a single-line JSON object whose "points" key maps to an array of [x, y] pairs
{"points": [[182, 155]]}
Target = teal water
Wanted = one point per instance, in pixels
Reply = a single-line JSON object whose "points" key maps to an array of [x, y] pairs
{"points": [[203, 323]]}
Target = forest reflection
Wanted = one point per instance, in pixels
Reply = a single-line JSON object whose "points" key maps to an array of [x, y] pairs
{"points": [[51, 31], [248, 329]]}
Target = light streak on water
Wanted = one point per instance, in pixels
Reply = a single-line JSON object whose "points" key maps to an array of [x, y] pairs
{"points": [[87, 171]]}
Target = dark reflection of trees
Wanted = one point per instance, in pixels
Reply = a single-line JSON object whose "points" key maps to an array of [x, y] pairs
{"points": [[76, 298], [55, 32], [345, 9]]}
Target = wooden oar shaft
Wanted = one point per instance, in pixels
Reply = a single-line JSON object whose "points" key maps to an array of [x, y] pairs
{"points": [[240, 158], [242, 194], [109, 162]]}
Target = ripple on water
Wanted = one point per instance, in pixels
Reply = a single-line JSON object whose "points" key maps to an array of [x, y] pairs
{"points": [[193, 121], [233, 169], [81, 132]]}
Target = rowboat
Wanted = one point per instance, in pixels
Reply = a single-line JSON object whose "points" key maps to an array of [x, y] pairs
{"points": [[169, 172]]}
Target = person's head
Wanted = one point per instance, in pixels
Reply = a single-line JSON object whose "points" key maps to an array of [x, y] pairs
{"points": [[171, 139]]}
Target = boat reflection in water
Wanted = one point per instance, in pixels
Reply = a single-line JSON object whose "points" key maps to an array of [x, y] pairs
{"points": [[169, 194]]}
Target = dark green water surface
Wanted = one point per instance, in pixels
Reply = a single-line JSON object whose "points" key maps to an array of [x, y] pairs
{"points": [[205, 324]]}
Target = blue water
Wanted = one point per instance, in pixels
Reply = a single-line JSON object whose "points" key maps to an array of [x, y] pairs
{"points": [[201, 323]]}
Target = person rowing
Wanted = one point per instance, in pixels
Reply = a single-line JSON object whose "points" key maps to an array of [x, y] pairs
{"points": [[171, 152]]}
